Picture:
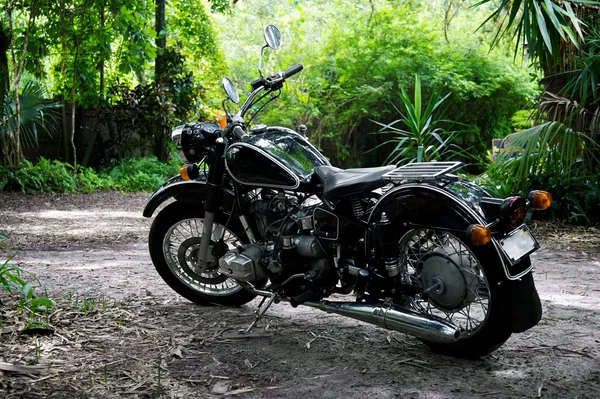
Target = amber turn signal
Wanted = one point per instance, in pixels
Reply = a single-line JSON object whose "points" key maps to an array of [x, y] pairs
{"points": [[183, 172], [479, 234], [539, 199], [223, 121]]}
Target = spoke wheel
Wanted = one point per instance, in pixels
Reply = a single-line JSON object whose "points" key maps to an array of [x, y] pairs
{"points": [[181, 245], [460, 283], [174, 243]]}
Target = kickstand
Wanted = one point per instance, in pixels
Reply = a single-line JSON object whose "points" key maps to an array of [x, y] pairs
{"points": [[262, 309]]}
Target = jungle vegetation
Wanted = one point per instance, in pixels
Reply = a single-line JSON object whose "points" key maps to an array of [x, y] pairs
{"points": [[526, 69]]}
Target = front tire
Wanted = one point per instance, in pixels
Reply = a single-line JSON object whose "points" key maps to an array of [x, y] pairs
{"points": [[470, 295], [174, 241]]}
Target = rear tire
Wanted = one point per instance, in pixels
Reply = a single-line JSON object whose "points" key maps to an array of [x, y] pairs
{"points": [[471, 294], [174, 241]]}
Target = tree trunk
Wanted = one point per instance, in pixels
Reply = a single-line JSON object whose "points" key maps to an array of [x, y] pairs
{"points": [[4, 89], [161, 40]]}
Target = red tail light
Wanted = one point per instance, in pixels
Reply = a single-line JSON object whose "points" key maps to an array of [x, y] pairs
{"points": [[514, 210]]}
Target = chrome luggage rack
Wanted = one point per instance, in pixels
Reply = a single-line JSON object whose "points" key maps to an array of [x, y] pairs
{"points": [[422, 171]]}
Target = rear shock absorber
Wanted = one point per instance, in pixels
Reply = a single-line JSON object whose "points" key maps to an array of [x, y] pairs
{"points": [[384, 234], [357, 208]]}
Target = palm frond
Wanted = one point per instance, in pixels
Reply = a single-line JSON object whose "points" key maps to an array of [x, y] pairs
{"points": [[35, 114], [549, 148]]}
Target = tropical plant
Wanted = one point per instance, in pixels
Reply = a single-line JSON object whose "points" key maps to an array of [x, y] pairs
{"points": [[46, 176], [553, 157], [11, 280], [418, 133], [544, 26], [35, 114]]}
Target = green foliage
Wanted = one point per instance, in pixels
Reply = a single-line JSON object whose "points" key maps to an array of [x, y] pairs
{"points": [[357, 56], [424, 140], [130, 175], [542, 25], [35, 308], [146, 174], [555, 158], [35, 114], [139, 120]]}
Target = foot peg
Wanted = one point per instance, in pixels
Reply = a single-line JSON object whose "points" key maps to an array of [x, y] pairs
{"points": [[300, 299]]}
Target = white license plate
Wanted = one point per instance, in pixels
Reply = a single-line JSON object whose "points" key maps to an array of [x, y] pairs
{"points": [[518, 243]]}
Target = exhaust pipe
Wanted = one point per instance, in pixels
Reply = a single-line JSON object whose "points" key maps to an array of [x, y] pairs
{"points": [[405, 321]]}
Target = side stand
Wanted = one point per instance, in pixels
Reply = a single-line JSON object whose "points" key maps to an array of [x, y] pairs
{"points": [[262, 309]]}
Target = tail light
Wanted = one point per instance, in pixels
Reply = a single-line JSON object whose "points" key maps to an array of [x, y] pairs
{"points": [[539, 200], [514, 210]]}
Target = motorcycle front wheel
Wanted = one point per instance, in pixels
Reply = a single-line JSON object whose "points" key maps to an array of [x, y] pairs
{"points": [[464, 284], [174, 242]]}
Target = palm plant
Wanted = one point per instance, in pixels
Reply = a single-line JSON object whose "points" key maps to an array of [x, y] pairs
{"points": [[417, 134], [545, 26], [35, 115]]}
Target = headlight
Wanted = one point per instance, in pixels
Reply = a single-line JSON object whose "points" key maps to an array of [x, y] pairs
{"points": [[194, 140]]}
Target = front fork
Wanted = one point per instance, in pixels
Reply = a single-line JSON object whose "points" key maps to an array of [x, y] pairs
{"points": [[211, 205]]}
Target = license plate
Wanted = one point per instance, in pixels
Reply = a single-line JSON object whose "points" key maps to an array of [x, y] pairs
{"points": [[518, 243]]}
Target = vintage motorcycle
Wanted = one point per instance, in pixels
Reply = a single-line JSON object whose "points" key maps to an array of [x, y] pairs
{"points": [[260, 212]]}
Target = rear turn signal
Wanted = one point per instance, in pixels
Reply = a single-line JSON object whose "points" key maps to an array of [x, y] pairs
{"points": [[539, 200], [479, 234]]}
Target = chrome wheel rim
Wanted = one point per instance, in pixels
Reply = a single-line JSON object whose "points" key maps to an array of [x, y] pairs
{"points": [[432, 258], [180, 247]]}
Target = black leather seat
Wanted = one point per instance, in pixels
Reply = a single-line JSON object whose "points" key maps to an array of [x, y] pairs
{"points": [[341, 183]]}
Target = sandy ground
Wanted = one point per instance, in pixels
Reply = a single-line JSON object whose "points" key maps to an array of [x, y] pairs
{"points": [[119, 331]]}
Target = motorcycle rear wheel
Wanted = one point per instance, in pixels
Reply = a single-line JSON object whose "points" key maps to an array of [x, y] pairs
{"points": [[174, 240], [470, 294]]}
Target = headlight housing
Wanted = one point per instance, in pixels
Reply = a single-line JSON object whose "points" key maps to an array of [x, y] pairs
{"points": [[195, 140]]}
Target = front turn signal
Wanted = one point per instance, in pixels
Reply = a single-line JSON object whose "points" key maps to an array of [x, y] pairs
{"points": [[189, 172], [479, 234], [223, 121], [539, 200], [183, 172]]}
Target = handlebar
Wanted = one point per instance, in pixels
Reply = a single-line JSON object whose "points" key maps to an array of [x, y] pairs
{"points": [[270, 84], [291, 71], [238, 132]]}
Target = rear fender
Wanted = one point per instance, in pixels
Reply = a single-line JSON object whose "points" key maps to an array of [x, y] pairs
{"points": [[423, 205], [414, 205], [525, 307]]}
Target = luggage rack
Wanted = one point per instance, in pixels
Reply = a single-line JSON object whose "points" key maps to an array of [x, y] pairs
{"points": [[422, 171]]}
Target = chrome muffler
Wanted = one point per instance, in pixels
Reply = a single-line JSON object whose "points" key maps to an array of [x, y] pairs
{"points": [[404, 321]]}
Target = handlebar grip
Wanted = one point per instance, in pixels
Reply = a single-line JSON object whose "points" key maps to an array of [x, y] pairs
{"points": [[238, 132], [292, 71]]}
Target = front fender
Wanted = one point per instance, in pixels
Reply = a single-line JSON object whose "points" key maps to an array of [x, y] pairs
{"points": [[189, 191]]}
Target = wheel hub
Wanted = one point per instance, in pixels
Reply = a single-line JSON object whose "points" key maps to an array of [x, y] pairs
{"points": [[451, 272], [187, 255]]}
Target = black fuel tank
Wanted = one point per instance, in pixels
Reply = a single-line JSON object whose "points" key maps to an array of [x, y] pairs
{"points": [[279, 158]]}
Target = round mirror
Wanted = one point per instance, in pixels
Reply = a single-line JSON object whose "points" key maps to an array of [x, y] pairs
{"points": [[231, 90], [273, 37]]}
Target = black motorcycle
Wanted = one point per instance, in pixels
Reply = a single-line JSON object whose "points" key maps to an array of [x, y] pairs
{"points": [[260, 212]]}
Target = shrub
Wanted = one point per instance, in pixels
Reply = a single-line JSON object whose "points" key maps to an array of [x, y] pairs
{"points": [[34, 307], [131, 175]]}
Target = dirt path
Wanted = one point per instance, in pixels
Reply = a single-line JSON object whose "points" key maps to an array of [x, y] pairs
{"points": [[119, 331]]}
